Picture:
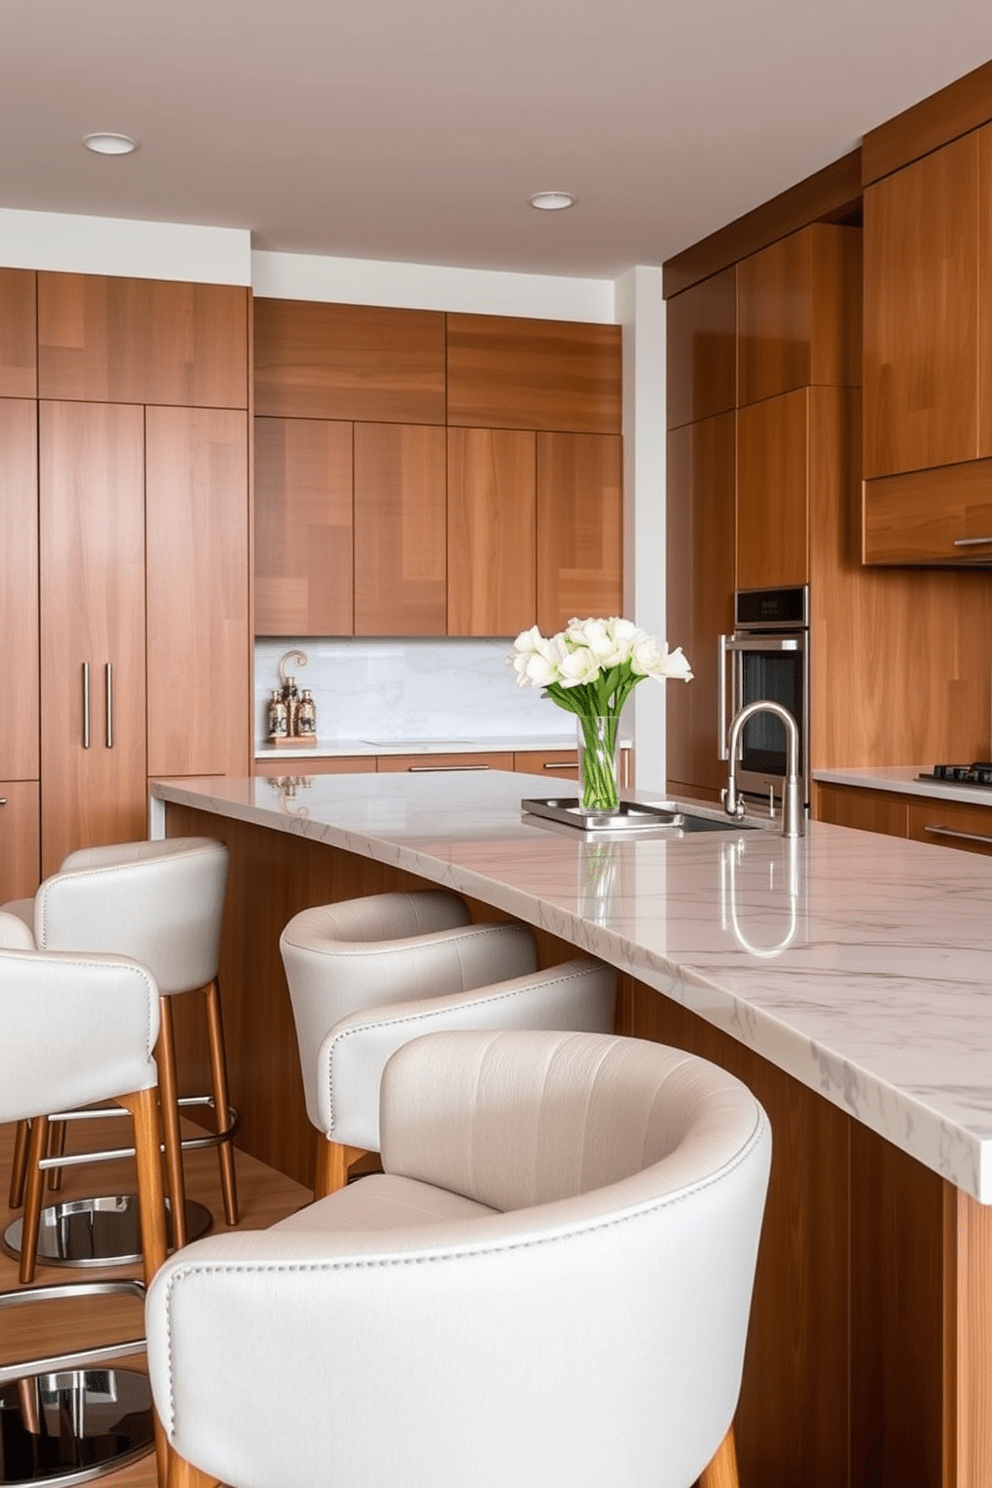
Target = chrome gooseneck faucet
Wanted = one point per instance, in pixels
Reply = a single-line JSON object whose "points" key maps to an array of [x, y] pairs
{"points": [[793, 818]]}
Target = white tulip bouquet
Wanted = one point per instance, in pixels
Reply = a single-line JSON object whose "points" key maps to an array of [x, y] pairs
{"points": [[590, 669]]}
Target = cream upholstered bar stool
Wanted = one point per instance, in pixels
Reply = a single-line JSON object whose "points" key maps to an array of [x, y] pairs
{"points": [[366, 975], [76, 1029], [548, 1285], [160, 903]]}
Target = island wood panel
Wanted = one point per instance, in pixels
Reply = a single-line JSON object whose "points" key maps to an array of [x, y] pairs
{"points": [[799, 313], [921, 313], [18, 334], [937, 120], [19, 587], [492, 531], [199, 663], [440, 763], [509, 372], [701, 567], [304, 527], [357, 362], [579, 528], [700, 327], [930, 516], [92, 553], [863, 809], [967, 1340], [791, 1422], [102, 338], [20, 839], [952, 824], [400, 530], [773, 458]]}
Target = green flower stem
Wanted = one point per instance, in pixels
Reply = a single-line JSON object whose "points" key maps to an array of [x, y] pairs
{"points": [[599, 775]]}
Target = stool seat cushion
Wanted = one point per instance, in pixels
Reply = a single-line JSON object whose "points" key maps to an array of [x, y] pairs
{"points": [[381, 1202]]}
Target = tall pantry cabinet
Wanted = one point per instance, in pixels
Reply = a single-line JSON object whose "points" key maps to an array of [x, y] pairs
{"points": [[139, 506]]}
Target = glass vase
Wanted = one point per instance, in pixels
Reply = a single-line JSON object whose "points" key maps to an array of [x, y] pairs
{"points": [[599, 779]]}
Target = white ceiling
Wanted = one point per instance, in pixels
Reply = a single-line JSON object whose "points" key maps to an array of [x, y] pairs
{"points": [[414, 130]]}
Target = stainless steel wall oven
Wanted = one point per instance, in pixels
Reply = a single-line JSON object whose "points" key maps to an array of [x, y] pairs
{"points": [[767, 657]]}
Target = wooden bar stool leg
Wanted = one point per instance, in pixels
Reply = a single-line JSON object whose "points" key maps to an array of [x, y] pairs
{"points": [[222, 1100], [56, 1147], [33, 1190], [19, 1166], [185, 1475], [333, 1162], [722, 1471], [165, 1058]]}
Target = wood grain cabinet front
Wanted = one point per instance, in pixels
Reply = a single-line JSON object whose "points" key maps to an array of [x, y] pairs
{"points": [[19, 587], [18, 333], [400, 530], [952, 824], [863, 809], [20, 849], [434, 764], [701, 336], [579, 527], [492, 531]]}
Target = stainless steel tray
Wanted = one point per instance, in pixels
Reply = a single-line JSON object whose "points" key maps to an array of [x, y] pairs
{"points": [[632, 816]]}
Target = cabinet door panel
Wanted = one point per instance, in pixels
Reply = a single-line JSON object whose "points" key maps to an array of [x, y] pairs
{"points": [[366, 362], [304, 539], [772, 443], [702, 350], [514, 373], [197, 588], [492, 532], [952, 824], [700, 543], [579, 528], [18, 334], [92, 611], [930, 516], [985, 290], [142, 341], [20, 855], [921, 313], [863, 809], [400, 546], [431, 764], [19, 587]]}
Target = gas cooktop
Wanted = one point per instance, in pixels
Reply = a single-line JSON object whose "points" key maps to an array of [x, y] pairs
{"points": [[978, 773]]}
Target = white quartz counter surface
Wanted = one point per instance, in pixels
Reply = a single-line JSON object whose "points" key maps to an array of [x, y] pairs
{"points": [[859, 964], [905, 781]]}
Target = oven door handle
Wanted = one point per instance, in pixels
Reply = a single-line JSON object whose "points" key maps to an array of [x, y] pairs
{"points": [[758, 643], [721, 696]]}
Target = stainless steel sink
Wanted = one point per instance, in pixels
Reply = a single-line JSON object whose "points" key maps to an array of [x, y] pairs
{"points": [[638, 816]]}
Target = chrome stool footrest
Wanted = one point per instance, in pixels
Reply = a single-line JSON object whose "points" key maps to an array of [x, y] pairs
{"points": [[95, 1232]]}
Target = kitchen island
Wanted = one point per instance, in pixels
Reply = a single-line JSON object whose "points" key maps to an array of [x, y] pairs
{"points": [[843, 975]]}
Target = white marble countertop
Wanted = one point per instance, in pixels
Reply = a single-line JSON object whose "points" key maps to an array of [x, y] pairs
{"points": [[362, 748], [860, 964], [904, 780]]}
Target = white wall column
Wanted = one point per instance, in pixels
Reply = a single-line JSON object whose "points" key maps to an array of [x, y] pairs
{"points": [[640, 309]]}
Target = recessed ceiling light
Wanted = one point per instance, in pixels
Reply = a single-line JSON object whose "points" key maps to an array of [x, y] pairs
{"points": [[110, 144], [552, 201]]}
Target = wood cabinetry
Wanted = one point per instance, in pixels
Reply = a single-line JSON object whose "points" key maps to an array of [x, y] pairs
{"points": [[564, 763], [19, 587], [579, 527], [20, 849], [941, 823], [701, 328], [951, 824], [103, 339], [506, 372], [433, 764], [92, 540], [400, 565], [297, 768], [863, 809], [492, 531], [700, 545], [772, 506], [18, 334], [304, 527]]}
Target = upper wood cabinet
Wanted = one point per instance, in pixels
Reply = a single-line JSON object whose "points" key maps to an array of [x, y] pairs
{"points": [[18, 333], [400, 520], [700, 547], [103, 339], [772, 475], [937, 517], [304, 519], [702, 350], [19, 587], [196, 522], [513, 373], [799, 314], [579, 527], [492, 531], [922, 313], [20, 848], [315, 360]]}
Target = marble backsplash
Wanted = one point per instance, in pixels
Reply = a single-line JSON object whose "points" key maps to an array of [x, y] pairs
{"points": [[403, 689]]}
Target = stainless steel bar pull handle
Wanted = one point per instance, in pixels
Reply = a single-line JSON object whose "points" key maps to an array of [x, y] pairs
{"points": [[86, 705], [942, 831], [3, 800], [721, 697], [972, 542], [442, 769], [560, 765], [109, 674]]}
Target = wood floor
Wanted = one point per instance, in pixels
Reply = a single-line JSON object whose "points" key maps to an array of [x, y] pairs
{"points": [[264, 1196]]}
